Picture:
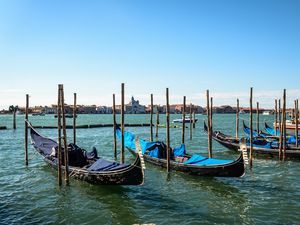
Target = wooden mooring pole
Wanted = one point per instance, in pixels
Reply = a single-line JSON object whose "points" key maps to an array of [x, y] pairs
{"points": [[257, 117], [279, 116], [296, 122], [157, 122], [59, 170], [194, 119], [115, 126], [66, 155], [26, 129], [122, 124], [237, 119], [208, 123], [211, 125], [14, 118], [183, 121], [191, 123], [251, 129], [151, 119], [275, 118], [284, 123], [74, 118], [168, 129], [280, 129]]}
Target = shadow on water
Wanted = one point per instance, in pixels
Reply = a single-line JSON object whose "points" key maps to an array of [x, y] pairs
{"points": [[103, 204], [179, 192], [218, 186]]}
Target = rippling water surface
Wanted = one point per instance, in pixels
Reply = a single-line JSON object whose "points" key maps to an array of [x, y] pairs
{"points": [[269, 194]]}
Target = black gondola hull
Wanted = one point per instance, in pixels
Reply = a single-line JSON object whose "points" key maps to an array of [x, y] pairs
{"points": [[233, 144], [131, 175], [234, 169]]}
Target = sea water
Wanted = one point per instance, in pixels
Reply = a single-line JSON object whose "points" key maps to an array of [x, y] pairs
{"points": [[267, 194]]}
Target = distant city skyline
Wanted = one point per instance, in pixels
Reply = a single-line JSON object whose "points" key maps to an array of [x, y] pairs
{"points": [[265, 99], [188, 46]]}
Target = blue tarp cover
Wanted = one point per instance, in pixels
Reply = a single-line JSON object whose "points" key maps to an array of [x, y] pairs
{"points": [[272, 131], [105, 165], [254, 132], [292, 140], [179, 151], [129, 141], [204, 161], [211, 161], [195, 159], [154, 153], [147, 145]]}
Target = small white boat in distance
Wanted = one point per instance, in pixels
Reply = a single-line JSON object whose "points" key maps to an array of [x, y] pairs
{"points": [[187, 119]]}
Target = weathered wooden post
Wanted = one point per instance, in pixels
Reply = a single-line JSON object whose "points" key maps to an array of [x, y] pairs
{"points": [[15, 123], [66, 155], [59, 171], [297, 129], [183, 120], [151, 119], [279, 116], [26, 130], [115, 126], [122, 124], [191, 123], [157, 122], [211, 124], [168, 129], [237, 119], [14, 109], [293, 115], [74, 118], [208, 123], [251, 128], [257, 117], [280, 129], [275, 118], [284, 123], [194, 119]]}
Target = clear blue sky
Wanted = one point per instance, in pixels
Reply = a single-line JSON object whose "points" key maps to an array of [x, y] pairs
{"points": [[189, 46]]}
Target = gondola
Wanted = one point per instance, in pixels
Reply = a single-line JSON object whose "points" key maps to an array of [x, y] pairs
{"points": [[261, 146], [155, 153], [88, 166], [291, 139], [271, 130], [255, 133]]}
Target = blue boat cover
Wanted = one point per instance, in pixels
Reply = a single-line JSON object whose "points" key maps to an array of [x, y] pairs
{"points": [[145, 145], [179, 151], [204, 161], [105, 165], [154, 153], [129, 141], [128, 138], [211, 162], [45, 145], [195, 159], [272, 131], [292, 140], [254, 132]]}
